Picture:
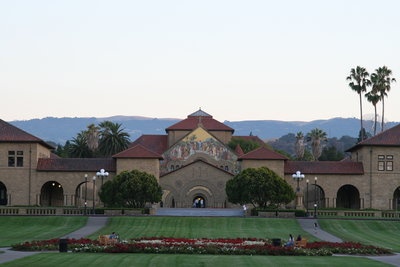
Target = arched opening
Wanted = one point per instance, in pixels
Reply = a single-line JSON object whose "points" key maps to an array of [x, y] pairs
{"points": [[3, 194], [313, 194], [199, 202], [396, 199], [348, 197], [81, 195], [52, 194]]}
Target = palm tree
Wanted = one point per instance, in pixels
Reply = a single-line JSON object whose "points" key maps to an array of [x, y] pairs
{"points": [[358, 82], [78, 147], [373, 98], [112, 138], [299, 146], [316, 136], [381, 84], [92, 137]]}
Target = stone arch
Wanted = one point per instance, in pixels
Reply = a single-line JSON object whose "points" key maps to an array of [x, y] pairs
{"points": [[348, 197], [200, 193], [3, 194], [314, 194], [52, 194], [396, 199], [81, 194]]}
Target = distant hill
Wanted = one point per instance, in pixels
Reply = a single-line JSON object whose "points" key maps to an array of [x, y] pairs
{"points": [[59, 130]]}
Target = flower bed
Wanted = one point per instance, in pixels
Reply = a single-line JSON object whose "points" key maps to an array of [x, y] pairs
{"points": [[237, 246]]}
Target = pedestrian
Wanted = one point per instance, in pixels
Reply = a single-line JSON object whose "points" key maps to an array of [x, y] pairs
{"points": [[290, 241], [315, 227]]}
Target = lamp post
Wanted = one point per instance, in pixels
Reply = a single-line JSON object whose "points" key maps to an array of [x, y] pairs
{"points": [[315, 197], [102, 173], [94, 187], [86, 194], [307, 198], [298, 176]]}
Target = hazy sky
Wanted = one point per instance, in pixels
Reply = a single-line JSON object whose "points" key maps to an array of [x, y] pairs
{"points": [[237, 60]]}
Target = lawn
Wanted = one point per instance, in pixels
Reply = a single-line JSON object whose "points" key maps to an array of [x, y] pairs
{"points": [[18, 229], [15, 229], [198, 227], [151, 260], [370, 232]]}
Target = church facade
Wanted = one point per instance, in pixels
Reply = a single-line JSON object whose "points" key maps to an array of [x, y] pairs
{"points": [[192, 163]]}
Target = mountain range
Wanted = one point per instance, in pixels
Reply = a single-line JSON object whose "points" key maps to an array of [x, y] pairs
{"points": [[60, 130]]}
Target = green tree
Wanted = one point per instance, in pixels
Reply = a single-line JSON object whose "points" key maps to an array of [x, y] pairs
{"points": [[78, 147], [316, 137], [331, 153], [358, 82], [131, 189], [261, 187], [113, 139], [92, 137], [300, 146], [245, 144], [373, 98], [381, 84]]}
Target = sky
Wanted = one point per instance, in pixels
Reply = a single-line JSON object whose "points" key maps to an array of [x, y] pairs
{"points": [[236, 60]]}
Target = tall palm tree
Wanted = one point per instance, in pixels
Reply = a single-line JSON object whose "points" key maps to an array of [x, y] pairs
{"points": [[373, 98], [358, 82], [381, 84], [112, 138], [316, 136], [299, 146], [92, 137], [78, 147]]}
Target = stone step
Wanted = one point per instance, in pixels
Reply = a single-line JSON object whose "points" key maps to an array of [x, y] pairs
{"points": [[205, 212]]}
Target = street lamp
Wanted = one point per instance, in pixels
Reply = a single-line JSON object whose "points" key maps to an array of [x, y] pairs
{"points": [[307, 198], [315, 197], [102, 173], [94, 187], [298, 176], [86, 194]]}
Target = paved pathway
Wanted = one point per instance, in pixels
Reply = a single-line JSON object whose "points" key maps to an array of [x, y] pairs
{"points": [[93, 224]]}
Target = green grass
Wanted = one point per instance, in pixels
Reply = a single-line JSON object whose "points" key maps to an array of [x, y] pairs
{"points": [[370, 232], [166, 260], [16, 229], [198, 227]]}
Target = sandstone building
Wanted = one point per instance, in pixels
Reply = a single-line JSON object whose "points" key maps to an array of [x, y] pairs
{"points": [[192, 162]]}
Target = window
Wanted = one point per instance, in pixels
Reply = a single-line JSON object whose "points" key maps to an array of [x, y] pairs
{"points": [[15, 158], [385, 163]]}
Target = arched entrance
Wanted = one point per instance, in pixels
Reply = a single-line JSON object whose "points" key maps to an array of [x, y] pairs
{"points": [[3, 194], [52, 194], [81, 195], [396, 199], [199, 202], [348, 197], [314, 194]]}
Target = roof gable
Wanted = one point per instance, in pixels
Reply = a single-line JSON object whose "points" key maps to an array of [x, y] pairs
{"points": [[153, 142], [389, 137], [138, 151], [10, 133], [199, 118]]}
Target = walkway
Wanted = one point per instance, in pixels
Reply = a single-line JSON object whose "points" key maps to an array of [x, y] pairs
{"points": [[93, 225]]}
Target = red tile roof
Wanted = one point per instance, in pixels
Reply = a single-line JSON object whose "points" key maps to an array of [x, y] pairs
{"points": [[262, 153], [155, 143], [11, 134], [239, 151], [138, 151], [324, 167], [199, 118], [76, 164], [389, 137]]}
